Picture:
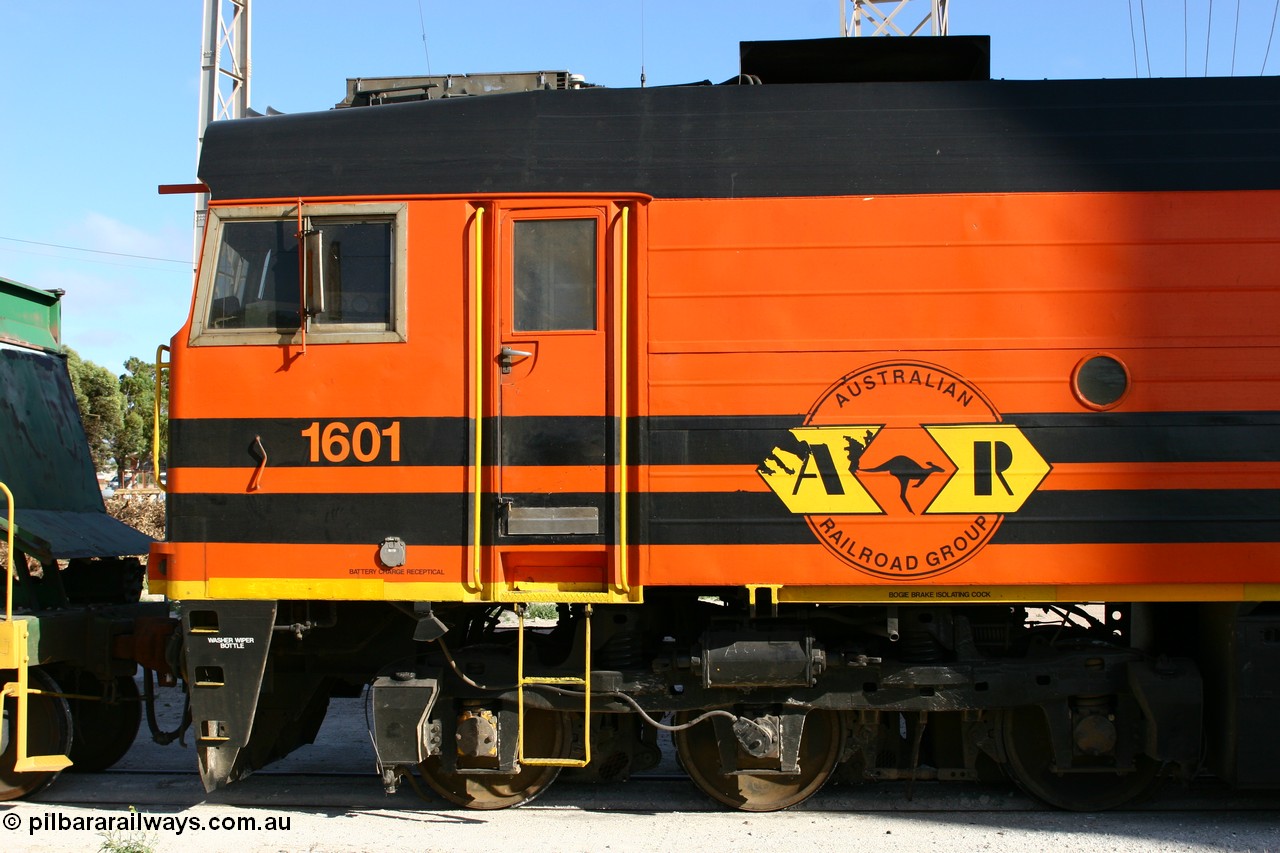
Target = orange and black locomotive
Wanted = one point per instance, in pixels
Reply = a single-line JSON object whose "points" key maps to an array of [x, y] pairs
{"points": [[850, 421]]}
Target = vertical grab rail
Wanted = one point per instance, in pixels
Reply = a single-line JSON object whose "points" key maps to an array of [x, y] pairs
{"points": [[476, 402], [161, 365], [14, 655], [8, 560], [304, 316], [624, 583]]}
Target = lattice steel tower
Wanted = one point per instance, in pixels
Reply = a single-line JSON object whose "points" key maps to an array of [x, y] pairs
{"points": [[894, 17], [224, 76]]}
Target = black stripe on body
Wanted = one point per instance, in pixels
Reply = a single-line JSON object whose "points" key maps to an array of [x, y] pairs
{"points": [[1153, 437], [734, 440], [713, 518], [1046, 518], [1060, 438], [429, 442], [327, 518]]}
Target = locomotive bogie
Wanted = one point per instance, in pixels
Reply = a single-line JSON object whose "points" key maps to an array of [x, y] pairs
{"points": [[918, 693]]}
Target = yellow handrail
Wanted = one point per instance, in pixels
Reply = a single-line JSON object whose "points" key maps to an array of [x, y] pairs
{"points": [[477, 401], [18, 658], [8, 558], [623, 582], [161, 364]]}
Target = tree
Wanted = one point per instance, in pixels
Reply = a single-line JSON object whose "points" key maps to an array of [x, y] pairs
{"points": [[131, 445], [101, 405], [117, 412]]}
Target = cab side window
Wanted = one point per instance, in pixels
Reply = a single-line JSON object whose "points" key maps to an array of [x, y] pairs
{"points": [[256, 282], [340, 277], [352, 263]]}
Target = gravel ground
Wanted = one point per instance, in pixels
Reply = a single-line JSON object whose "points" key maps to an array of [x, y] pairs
{"points": [[570, 829], [349, 812]]}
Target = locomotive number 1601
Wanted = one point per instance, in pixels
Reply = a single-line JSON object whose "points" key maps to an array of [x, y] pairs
{"points": [[337, 442]]}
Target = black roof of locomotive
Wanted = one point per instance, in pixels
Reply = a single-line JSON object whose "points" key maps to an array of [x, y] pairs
{"points": [[770, 140]]}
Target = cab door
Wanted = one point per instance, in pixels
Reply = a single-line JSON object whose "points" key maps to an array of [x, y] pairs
{"points": [[556, 399]]}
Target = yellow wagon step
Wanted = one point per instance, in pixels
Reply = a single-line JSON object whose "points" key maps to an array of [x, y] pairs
{"points": [[585, 681]]}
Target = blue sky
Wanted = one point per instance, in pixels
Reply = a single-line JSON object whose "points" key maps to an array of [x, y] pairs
{"points": [[101, 100]]}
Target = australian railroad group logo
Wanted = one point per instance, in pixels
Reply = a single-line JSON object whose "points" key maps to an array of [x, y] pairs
{"points": [[903, 469]]}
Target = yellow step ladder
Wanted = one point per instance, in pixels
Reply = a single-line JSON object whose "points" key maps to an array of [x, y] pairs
{"points": [[585, 681], [15, 655]]}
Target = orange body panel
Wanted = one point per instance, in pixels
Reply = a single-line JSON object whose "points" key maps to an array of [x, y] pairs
{"points": [[754, 310], [998, 566]]}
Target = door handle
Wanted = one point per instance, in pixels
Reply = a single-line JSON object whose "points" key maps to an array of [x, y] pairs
{"points": [[509, 356]]}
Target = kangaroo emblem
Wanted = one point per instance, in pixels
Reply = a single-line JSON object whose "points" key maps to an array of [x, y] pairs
{"points": [[909, 473]]}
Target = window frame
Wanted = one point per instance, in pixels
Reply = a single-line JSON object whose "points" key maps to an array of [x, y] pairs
{"points": [[396, 213], [518, 307], [577, 210]]}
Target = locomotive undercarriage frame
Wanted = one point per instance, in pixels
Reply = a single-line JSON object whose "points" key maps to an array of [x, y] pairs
{"points": [[87, 633], [1047, 703]]}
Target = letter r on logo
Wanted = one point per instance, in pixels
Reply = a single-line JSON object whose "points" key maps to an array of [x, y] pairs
{"points": [[991, 458]]}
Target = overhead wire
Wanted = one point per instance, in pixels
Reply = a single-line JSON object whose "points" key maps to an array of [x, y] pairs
{"points": [[642, 54], [422, 23], [1133, 39], [1146, 45], [1265, 56], [1235, 40], [94, 251], [1207, 34], [83, 260]]}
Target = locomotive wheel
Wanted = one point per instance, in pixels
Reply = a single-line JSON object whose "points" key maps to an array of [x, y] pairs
{"points": [[48, 733], [103, 732], [546, 735], [1029, 749], [699, 754]]}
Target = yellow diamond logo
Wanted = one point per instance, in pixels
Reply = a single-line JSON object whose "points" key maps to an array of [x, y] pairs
{"points": [[997, 468], [817, 474]]}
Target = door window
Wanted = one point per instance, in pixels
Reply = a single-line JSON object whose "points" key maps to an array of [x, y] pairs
{"points": [[554, 272]]}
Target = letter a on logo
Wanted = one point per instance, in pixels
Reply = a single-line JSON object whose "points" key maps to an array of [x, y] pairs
{"points": [[819, 479]]}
